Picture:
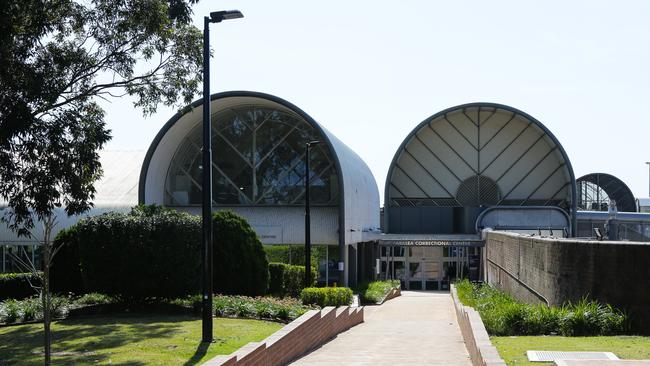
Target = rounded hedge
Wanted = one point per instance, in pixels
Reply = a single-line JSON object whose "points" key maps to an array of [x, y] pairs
{"points": [[240, 264], [155, 252]]}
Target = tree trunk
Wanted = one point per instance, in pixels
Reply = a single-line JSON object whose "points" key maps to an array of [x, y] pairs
{"points": [[47, 302], [48, 256]]}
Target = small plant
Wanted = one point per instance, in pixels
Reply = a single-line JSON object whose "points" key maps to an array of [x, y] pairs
{"points": [[9, 311], [95, 298], [31, 309]]}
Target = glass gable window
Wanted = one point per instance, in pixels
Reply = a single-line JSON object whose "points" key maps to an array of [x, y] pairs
{"points": [[258, 158]]}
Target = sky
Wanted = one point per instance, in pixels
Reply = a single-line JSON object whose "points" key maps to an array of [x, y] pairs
{"points": [[371, 71]]}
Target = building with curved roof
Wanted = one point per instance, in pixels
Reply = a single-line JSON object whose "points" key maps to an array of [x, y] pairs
{"points": [[465, 168], [258, 144], [596, 189], [465, 159]]}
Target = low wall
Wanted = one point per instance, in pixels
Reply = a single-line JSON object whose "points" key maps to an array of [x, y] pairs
{"points": [[553, 271], [392, 294], [300, 336], [481, 351]]}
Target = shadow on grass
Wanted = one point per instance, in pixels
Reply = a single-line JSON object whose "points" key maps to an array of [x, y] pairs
{"points": [[201, 350], [83, 340]]}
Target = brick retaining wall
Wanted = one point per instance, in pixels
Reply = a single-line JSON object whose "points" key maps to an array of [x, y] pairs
{"points": [[295, 339], [392, 294]]}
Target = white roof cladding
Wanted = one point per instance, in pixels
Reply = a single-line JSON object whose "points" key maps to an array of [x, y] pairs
{"points": [[359, 201], [117, 190], [118, 187]]}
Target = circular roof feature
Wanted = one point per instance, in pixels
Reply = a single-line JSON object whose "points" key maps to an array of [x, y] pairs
{"points": [[478, 190], [596, 189]]}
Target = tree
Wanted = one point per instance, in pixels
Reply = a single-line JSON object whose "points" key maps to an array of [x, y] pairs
{"points": [[58, 57]]}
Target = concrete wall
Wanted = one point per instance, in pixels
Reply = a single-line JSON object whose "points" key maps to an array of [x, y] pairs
{"points": [[480, 348], [553, 271]]}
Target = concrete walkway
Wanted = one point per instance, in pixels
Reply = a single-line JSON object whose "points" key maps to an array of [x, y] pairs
{"points": [[417, 328]]}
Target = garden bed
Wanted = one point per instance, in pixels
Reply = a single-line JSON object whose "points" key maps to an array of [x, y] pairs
{"points": [[123, 339], [263, 308], [503, 315]]}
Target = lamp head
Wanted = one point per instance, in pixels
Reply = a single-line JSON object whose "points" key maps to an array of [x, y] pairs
{"points": [[219, 16], [315, 142]]}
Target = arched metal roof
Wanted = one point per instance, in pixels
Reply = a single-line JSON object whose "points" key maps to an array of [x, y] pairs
{"points": [[480, 155], [359, 196], [590, 196]]}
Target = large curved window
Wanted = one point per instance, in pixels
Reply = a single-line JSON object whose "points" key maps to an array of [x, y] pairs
{"points": [[258, 156]]}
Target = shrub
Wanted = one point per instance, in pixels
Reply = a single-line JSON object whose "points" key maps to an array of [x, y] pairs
{"points": [[136, 256], [17, 285], [240, 264], [65, 273], [375, 292], [326, 296], [154, 252], [276, 272], [287, 280], [505, 316]]}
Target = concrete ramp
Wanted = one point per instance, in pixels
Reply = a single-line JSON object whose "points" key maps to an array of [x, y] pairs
{"points": [[416, 328]]}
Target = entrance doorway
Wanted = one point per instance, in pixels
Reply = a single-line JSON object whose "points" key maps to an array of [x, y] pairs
{"points": [[424, 275], [425, 267]]}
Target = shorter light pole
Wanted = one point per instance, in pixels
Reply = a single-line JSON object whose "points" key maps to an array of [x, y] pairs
{"points": [[648, 162], [307, 218]]}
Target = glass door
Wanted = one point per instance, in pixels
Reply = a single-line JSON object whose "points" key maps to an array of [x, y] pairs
{"points": [[431, 275], [415, 276]]}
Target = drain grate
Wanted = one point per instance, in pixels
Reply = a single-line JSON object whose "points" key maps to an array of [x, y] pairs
{"points": [[550, 356]]}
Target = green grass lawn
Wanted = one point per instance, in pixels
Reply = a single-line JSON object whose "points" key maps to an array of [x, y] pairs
{"points": [[129, 340], [513, 349]]}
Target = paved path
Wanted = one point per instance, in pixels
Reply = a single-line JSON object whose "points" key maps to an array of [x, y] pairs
{"points": [[417, 328]]}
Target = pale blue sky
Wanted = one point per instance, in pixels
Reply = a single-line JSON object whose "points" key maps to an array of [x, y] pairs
{"points": [[370, 71]]}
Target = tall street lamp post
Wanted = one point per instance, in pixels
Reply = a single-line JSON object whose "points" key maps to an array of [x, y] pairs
{"points": [[206, 253], [307, 218]]}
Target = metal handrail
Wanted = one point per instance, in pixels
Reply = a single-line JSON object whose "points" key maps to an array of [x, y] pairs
{"points": [[529, 288]]}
